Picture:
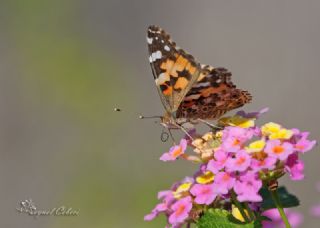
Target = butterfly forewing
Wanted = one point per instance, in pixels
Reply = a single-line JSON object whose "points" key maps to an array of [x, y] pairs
{"points": [[212, 95], [191, 90], [174, 70]]}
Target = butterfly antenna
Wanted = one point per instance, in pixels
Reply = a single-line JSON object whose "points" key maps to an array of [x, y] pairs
{"points": [[149, 117], [116, 109]]}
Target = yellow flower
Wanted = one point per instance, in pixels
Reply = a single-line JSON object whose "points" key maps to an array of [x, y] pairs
{"points": [[206, 178], [238, 121], [282, 134], [256, 146], [270, 128], [275, 131], [183, 188], [237, 214]]}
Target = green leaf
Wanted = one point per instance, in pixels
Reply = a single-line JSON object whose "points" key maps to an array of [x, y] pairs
{"points": [[287, 199], [218, 218]]}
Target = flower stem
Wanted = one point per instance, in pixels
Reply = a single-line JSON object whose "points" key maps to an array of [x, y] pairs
{"points": [[239, 206], [251, 214], [275, 197]]}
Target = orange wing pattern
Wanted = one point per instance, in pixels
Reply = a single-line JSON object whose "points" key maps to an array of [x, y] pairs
{"points": [[212, 95], [174, 70], [186, 88]]}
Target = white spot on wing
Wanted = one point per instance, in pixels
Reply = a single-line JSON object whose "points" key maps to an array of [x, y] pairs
{"points": [[166, 47], [149, 40], [155, 55]]}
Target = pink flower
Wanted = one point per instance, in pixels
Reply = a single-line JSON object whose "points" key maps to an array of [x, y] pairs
{"points": [[266, 163], [234, 137], [295, 167], [175, 151], [181, 210], [164, 194], [155, 212], [247, 187], [218, 163], [204, 193], [315, 210], [240, 162], [224, 182], [295, 218], [303, 145], [301, 142], [168, 199], [279, 150]]}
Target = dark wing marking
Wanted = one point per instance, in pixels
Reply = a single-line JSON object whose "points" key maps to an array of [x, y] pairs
{"points": [[212, 95]]}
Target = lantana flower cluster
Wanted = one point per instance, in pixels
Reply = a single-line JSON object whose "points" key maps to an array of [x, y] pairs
{"points": [[235, 161]]}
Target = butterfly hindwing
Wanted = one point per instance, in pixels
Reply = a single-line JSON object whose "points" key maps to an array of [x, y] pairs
{"points": [[174, 70], [212, 95]]}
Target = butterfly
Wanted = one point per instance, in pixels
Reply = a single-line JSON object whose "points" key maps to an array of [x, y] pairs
{"points": [[189, 91]]}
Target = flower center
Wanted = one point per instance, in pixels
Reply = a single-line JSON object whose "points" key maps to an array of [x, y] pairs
{"points": [[225, 177], [278, 149], [205, 191], [180, 210], [299, 147], [236, 142], [177, 152], [262, 162], [240, 160]]}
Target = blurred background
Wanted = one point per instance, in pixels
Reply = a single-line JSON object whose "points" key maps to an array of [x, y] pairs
{"points": [[65, 65]]}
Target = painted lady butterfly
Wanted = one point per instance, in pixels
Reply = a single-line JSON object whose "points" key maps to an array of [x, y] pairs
{"points": [[188, 90]]}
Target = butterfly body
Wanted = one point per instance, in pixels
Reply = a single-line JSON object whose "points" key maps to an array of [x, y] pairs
{"points": [[169, 121], [189, 91]]}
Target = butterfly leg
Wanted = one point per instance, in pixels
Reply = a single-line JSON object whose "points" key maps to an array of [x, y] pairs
{"points": [[210, 124], [171, 136], [184, 130], [164, 136]]}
